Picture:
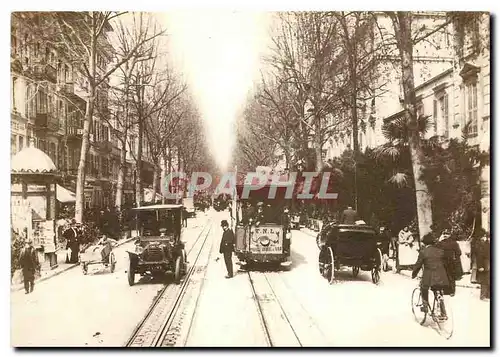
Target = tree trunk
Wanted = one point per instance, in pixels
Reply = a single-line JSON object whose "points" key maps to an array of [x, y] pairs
{"points": [[318, 147], [355, 142], [155, 182], [121, 173], [139, 195], [89, 112], [423, 198], [164, 172]]}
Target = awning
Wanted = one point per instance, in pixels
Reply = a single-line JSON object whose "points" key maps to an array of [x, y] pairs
{"points": [[64, 195]]}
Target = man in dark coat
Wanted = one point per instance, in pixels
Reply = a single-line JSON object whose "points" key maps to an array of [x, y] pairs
{"points": [[483, 265], [452, 253], [349, 216], [432, 260], [29, 264], [227, 247], [71, 234]]}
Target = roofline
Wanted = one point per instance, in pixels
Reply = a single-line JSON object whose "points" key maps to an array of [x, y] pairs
{"points": [[435, 78], [394, 116]]}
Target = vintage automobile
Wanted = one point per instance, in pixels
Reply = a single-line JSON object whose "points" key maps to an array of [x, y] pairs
{"points": [[356, 246], [158, 249]]}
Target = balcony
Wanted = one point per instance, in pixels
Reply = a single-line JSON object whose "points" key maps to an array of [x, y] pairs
{"points": [[74, 128], [104, 146], [45, 71], [44, 121], [41, 121]]}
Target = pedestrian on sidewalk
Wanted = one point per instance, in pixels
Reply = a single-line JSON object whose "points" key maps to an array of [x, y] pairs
{"points": [[184, 217], [483, 265], [29, 264], [227, 247]]}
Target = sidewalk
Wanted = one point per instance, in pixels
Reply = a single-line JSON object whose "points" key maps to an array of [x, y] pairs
{"points": [[61, 267], [308, 231], [463, 283]]}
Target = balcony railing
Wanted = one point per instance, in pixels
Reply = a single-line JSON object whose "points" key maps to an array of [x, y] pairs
{"points": [[105, 146], [41, 120], [74, 127], [45, 70], [44, 121]]}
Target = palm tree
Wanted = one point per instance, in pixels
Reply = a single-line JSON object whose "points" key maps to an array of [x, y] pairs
{"points": [[397, 147]]}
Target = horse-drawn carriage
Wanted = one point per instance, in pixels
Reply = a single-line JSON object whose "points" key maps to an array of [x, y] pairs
{"points": [[356, 246]]}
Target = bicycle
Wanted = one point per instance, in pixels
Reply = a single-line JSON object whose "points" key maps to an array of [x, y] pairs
{"points": [[440, 313]]}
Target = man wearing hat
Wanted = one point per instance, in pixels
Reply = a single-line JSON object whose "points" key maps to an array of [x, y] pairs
{"points": [[29, 264], [227, 247], [432, 260]]}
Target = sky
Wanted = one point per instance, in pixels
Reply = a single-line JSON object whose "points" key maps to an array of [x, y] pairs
{"points": [[220, 54]]}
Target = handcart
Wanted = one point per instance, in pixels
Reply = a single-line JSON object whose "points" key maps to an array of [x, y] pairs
{"points": [[98, 254]]}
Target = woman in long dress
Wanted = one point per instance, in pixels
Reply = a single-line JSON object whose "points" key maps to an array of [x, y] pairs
{"points": [[407, 250]]}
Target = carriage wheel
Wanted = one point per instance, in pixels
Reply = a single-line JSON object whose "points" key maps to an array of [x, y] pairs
{"points": [[355, 271], [321, 262], [178, 268], [329, 266], [112, 262], [377, 268]]}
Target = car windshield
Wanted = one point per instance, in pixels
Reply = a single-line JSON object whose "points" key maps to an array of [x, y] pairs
{"points": [[155, 222]]}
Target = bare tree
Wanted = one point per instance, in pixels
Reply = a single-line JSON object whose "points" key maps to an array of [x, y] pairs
{"points": [[162, 125], [83, 38], [307, 56], [361, 85]]}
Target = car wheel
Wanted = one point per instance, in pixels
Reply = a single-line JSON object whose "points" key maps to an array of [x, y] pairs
{"points": [[131, 276]]}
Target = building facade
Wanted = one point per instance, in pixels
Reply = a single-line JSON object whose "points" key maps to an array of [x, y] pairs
{"points": [[48, 101]]}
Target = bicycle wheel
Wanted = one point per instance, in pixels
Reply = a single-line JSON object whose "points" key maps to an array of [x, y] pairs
{"points": [[443, 316], [417, 305]]}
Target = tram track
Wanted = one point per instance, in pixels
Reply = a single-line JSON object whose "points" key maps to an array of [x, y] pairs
{"points": [[160, 326], [285, 321]]}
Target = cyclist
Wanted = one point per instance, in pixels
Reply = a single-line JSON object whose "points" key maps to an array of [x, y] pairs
{"points": [[434, 276]]}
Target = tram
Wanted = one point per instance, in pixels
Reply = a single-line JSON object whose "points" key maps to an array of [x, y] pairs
{"points": [[262, 224]]}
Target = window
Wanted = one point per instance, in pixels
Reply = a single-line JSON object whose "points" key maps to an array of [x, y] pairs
{"points": [[443, 105], [67, 74], [41, 103], [13, 144], [471, 107], [14, 93], [435, 115], [37, 49], [52, 152], [42, 146], [13, 44], [21, 143], [132, 144]]}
